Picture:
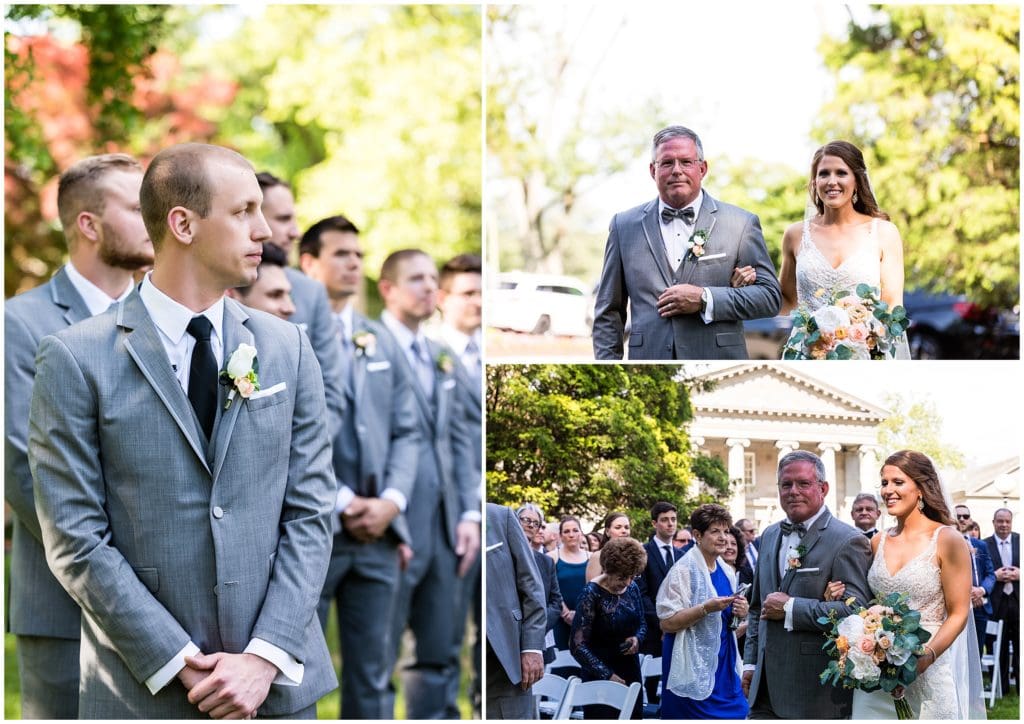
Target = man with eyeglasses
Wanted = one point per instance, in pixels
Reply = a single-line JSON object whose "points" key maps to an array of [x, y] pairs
{"points": [[800, 556], [983, 575], [749, 531], [688, 267]]}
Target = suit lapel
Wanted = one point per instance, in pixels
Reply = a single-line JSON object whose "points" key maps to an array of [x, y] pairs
{"points": [[441, 396], [652, 232], [705, 220], [772, 548], [235, 334], [65, 296], [359, 361], [142, 340], [810, 539]]}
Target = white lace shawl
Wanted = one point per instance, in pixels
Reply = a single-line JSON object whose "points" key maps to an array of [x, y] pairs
{"points": [[695, 652]]}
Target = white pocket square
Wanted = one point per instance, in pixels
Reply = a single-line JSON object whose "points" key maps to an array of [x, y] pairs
{"points": [[448, 384], [269, 391], [807, 570], [493, 547], [378, 366], [709, 257]]}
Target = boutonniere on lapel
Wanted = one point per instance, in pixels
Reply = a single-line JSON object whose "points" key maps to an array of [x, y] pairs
{"points": [[794, 557], [365, 343], [697, 241], [241, 373], [445, 363]]}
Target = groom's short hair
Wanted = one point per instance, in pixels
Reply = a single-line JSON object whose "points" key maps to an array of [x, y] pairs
{"points": [[676, 132], [803, 456]]}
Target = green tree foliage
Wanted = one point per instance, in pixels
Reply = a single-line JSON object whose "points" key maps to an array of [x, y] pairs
{"points": [[589, 439], [932, 95], [916, 425]]}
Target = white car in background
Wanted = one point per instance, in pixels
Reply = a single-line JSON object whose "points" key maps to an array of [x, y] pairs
{"points": [[539, 304]]}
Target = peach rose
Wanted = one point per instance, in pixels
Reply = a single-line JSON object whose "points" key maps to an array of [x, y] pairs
{"points": [[244, 386], [866, 645], [858, 333]]}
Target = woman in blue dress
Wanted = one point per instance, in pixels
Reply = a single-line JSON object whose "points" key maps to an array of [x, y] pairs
{"points": [[609, 624], [696, 604], [571, 568]]}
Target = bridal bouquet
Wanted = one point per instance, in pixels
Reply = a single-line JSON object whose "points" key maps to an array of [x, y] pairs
{"points": [[875, 648], [847, 326]]}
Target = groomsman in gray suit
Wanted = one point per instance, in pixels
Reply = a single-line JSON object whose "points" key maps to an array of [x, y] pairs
{"points": [[799, 556], [515, 618], [189, 521], [375, 460], [271, 292], [312, 310], [98, 206], [444, 513], [686, 267]]}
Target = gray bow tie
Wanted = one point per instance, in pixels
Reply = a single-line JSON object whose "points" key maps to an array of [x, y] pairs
{"points": [[687, 214], [788, 528]]}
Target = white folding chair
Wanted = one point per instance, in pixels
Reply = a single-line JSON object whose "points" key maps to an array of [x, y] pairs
{"points": [[650, 666], [563, 659], [609, 693], [990, 663], [553, 694]]}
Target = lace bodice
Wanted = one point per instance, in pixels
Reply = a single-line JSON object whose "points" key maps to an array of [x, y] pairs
{"points": [[813, 270], [919, 577]]}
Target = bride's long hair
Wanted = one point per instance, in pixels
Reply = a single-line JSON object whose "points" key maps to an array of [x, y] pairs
{"points": [[852, 157], [920, 469]]}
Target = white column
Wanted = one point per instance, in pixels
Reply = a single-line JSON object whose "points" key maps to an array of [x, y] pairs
{"points": [[828, 456], [785, 448], [738, 499], [696, 442], [869, 469]]}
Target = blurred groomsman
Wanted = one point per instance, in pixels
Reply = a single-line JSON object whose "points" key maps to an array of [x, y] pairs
{"points": [[1004, 549], [865, 513], [983, 575], [271, 292], [444, 513], [459, 299], [312, 311], [98, 205], [375, 460]]}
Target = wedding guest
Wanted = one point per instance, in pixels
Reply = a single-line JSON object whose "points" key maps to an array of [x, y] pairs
{"points": [[616, 525], [751, 540], [595, 540], [983, 574], [551, 538], [531, 519], [1004, 550], [696, 605], [609, 626], [865, 513], [736, 557], [98, 208], [683, 538], [974, 530], [271, 292], [661, 556], [571, 568]]}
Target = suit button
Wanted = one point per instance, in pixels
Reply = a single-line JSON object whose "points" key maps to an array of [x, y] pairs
{"points": [[218, 512]]}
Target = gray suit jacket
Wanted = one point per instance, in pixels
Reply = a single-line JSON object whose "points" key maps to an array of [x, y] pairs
{"points": [[469, 395], [636, 272], [161, 538], [515, 592], [313, 314], [384, 411], [793, 659], [39, 604]]}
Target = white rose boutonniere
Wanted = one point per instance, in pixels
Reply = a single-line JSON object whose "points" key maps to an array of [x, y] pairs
{"points": [[241, 373], [698, 240], [365, 343], [445, 363], [794, 557]]}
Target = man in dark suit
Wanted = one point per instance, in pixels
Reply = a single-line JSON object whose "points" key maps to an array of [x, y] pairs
{"points": [[750, 536], [1004, 549], [515, 618], [97, 202], [865, 513], [983, 576], [375, 457]]}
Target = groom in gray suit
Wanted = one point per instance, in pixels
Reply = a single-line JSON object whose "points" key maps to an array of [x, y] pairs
{"points": [[680, 267], [98, 205], [375, 460], [799, 556], [189, 521]]}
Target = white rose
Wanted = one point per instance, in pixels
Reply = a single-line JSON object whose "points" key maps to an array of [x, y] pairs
{"points": [[852, 627], [828, 318], [241, 361], [864, 667], [898, 655]]}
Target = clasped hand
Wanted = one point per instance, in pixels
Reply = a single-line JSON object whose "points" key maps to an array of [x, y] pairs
{"points": [[366, 519], [227, 686]]}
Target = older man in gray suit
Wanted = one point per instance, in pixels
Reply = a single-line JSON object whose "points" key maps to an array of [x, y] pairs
{"points": [[799, 556], [685, 267], [375, 461], [444, 513], [515, 618], [190, 520], [98, 206]]}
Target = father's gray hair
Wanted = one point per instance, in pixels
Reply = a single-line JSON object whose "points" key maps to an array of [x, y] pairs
{"points": [[803, 456], [676, 132], [866, 496], [531, 506]]}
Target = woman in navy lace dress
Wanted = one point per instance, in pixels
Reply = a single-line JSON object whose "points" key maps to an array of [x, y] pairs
{"points": [[609, 624]]}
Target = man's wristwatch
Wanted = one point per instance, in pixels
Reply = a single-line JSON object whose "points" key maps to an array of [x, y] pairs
{"points": [[703, 301]]}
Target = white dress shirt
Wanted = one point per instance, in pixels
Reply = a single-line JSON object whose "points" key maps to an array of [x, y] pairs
{"points": [[171, 319], [96, 300], [793, 541], [676, 235]]}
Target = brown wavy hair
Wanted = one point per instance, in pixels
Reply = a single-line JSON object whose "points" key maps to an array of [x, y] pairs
{"points": [[854, 159], [623, 557], [919, 468]]}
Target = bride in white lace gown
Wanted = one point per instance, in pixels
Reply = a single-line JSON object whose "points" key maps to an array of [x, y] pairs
{"points": [[927, 558], [848, 241]]}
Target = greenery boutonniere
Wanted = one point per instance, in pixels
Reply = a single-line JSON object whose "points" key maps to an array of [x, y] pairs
{"points": [[445, 363], [697, 240], [241, 373], [794, 557]]}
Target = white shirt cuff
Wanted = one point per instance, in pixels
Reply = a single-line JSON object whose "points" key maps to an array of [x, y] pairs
{"points": [[396, 497], [345, 496], [289, 670], [531, 651], [472, 516], [709, 306], [749, 667], [168, 671], [788, 608]]}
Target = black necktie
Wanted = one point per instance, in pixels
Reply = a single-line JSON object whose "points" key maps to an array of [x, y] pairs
{"points": [[687, 214], [669, 558], [788, 528], [202, 376]]}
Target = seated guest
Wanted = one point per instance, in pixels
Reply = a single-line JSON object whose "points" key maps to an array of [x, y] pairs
{"points": [[571, 568], [616, 525], [736, 557], [696, 605], [609, 624], [532, 520]]}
